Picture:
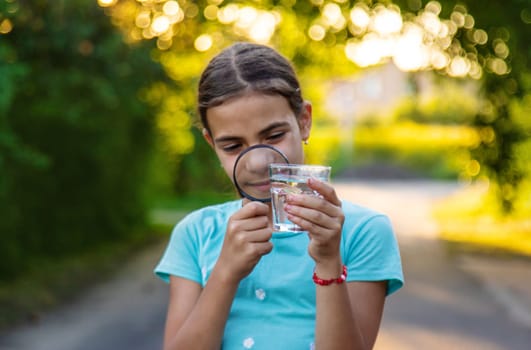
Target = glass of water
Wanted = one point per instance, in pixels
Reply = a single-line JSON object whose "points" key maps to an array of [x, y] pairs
{"points": [[289, 179]]}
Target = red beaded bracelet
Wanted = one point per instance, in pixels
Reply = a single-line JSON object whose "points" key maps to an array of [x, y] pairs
{"points": [[338, 280]]}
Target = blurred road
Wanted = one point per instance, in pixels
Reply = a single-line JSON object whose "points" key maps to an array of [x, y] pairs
{"points": [[449, 301], [125, 313]]}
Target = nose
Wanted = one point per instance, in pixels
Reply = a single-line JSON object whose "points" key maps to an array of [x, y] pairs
{"points": [[258, 160]]}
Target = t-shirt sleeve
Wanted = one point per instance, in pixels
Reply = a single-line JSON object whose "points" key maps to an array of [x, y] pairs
{"points": [[181, 255], [372, 253]]}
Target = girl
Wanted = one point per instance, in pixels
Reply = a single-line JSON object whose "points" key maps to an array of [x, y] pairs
{"points": [[236, 284]]}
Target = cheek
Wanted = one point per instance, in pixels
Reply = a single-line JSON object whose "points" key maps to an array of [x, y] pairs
{"points": [[228, 165], [294, 154]]}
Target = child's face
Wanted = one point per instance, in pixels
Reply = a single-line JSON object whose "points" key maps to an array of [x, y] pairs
{"points": [[253, 119]]}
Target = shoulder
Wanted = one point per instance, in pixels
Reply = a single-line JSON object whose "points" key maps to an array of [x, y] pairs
{"points": [[204, 222], [370, 248], [187, 246], [367, 232]]}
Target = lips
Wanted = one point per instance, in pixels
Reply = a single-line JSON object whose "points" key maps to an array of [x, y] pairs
{"points": [[262, 186]]}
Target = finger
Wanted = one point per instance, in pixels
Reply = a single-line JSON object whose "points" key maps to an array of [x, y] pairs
{"points": [[243, 229], [312, 228], [312, 219], [250, 217], [263, 248], [252, 249], [250, 210], [316, 203], [325, 189], [263, 235]]}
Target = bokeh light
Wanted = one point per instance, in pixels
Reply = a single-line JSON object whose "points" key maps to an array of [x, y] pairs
{"points": [[171, 8], [203, 42], [386, 20], [160, 25], [372, 34], [333, 16], [106, 3], [413, 42], [228, 14], [359, 16], [6, 26], [143, 19], [211, 12], [525, 15], [317, 32]]}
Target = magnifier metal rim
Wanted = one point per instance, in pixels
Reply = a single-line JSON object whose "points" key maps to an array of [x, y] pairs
{"points": [[248, 149]]}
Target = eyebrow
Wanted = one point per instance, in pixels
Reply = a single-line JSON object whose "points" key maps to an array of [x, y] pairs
{"points": [[263, 132]]}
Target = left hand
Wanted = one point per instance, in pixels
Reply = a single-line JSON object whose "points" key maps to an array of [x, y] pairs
{"points": [[322, 217]]}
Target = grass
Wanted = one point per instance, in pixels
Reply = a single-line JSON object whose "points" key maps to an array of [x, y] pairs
{"points": [[470, 220]]}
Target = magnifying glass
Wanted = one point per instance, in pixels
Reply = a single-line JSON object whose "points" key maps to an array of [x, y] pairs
{"points": [[251, 171]]}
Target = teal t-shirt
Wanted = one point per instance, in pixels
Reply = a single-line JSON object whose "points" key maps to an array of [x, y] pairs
{"points": [[274, 307]]}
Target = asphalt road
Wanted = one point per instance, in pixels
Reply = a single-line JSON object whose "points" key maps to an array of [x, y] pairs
{"points": [[442, 306]]}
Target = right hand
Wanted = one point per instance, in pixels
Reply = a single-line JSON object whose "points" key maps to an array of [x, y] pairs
{"points": [[247, 239]]}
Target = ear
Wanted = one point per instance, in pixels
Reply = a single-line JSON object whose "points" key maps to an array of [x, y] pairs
{"points": [[305, 120], [208, 137]]}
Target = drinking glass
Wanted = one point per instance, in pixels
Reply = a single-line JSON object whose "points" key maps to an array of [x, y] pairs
{"points": [[292, 179]]}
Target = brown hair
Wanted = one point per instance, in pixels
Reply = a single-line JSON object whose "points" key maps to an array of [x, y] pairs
{"points": [[245, 67]]}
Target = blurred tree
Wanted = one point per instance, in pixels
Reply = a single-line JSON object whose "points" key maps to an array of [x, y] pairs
{"points": [[509, 26], [75, 136]]}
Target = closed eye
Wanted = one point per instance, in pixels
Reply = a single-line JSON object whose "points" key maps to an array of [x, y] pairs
{"points": [[231, 148], [275, 136]]}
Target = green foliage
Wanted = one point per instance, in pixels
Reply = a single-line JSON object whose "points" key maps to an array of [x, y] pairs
{"points": [[201, 171], [498, 156], [75, 138]]}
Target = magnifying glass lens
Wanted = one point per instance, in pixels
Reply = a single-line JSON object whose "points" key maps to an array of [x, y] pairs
{"points": [[251, 171]]}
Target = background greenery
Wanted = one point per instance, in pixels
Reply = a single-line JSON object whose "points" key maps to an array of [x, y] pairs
{"points": [[75, 136]]}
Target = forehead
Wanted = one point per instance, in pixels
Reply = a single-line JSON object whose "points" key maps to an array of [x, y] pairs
{"points": [[248, 114]]}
